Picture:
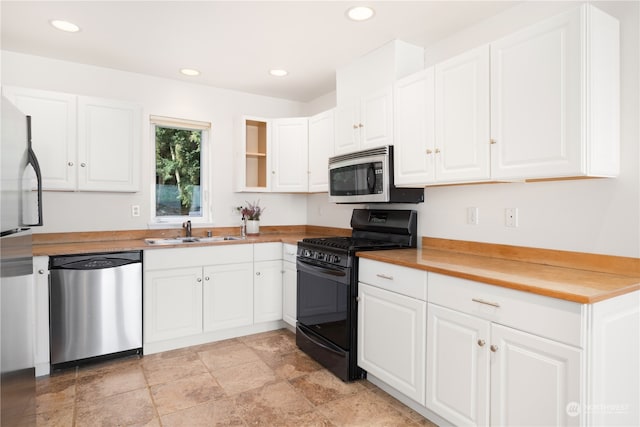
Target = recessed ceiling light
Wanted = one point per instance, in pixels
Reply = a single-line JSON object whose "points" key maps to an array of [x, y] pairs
{"points": [[189, 72], [360, 13], [67, 26], [278, 73]]}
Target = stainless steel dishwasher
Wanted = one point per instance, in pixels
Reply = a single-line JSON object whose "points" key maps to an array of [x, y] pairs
{"points": [[95, 306]]}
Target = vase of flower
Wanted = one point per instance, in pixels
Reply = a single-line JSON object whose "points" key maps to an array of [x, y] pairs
{"points": [[251, 217], [253, 226]]}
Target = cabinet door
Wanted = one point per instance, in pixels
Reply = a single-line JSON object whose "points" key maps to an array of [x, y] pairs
{"points": [[321, 140], [172, 303], [109, 145], [53, 133], [227, 296], [376, 119], [391, 339], [289, 293], [458, 366], [414, 139], [347, 125], [267, 291], [290, 155], [533, 379], [536, 86], [462, 117]]}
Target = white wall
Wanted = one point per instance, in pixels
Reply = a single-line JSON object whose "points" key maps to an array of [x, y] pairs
{"points": [[80, 211], [595, 216]]}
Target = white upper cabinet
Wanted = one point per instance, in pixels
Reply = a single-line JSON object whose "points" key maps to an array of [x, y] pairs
{"points": [[321, 138], [462, 135], [555, 98], [290, 155], [364, 93], [365, 123], [109, 149], [272, 155], [83, 143], [414, 131]]}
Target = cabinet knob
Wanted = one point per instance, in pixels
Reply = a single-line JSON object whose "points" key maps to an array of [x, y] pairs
{"points": [[429, 151], [492, 141], [83, 164], [355, 126], [360, 125], [257, 273], [70, 163], [199, 279], [273, 172], [481, 343], [437, 150], [41, 271], [494, 348], [206, 278]]}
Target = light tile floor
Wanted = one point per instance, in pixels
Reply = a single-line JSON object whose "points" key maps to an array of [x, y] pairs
{"points": [[258, 380]]}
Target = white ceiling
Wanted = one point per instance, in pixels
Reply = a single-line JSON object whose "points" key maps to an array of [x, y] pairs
{"points": [[232, 43]]}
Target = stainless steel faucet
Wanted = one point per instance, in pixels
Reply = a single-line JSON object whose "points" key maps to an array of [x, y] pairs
{"points": [[187, 226]]}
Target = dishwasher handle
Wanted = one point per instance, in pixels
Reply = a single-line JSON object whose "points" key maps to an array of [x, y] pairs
{"points": [[95, 261]]}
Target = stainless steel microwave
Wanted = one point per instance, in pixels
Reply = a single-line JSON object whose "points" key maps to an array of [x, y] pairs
{"points": [[367, 177]]}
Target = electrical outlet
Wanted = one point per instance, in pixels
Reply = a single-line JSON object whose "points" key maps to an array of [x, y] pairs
{"points": [[135, 210], [511, 217], [472, 216]]}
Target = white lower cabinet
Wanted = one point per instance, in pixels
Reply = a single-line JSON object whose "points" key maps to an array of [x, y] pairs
{"points": [[267, 282], [457, 366], [482, 373], [201, 294], [289, 284], [227, 296], [391, 339], [173, 305], [391, 326]]}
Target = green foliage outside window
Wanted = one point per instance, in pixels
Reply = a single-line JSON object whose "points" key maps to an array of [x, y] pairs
{"points": [[178, 172]]}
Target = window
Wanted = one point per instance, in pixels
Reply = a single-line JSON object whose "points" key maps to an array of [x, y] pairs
{"points": [[180, 184]]}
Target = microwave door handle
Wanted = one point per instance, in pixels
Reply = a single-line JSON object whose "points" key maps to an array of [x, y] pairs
{"points": [[371, 179]]}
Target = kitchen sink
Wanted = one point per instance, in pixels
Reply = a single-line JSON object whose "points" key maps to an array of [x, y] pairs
{"points": [[181, 240]]}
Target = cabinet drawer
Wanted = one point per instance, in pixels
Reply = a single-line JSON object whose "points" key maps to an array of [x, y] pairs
{"points": [[547, 317], [289, 252], [406, 281], [267, 251], [195, 257]]}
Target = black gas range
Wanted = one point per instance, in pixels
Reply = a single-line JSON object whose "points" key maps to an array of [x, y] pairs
{"points": [[327, 270]]}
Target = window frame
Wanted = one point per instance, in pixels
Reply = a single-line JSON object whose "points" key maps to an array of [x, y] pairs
{"points": [[205, 143]]}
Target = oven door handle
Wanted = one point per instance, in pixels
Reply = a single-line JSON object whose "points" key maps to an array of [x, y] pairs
{"points": [[312, 268], [318, 343]]}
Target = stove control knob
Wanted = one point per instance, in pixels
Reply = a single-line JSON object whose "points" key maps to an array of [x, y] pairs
{"points": [[307, 253], [336, 259]]}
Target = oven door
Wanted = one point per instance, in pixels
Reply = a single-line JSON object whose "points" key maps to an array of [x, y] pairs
{"points": [[359, 180], [323, 301]]}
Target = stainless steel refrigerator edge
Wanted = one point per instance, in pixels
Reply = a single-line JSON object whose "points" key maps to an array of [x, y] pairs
{"points": [[21, 208]]}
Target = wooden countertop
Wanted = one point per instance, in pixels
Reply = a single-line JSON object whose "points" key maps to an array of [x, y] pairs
{"points": [[572, 276], [557, 274], [94, 242]]}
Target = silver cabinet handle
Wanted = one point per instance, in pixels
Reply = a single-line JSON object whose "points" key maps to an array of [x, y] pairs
{"points": [[70, 163], [206, 278], [437, 151], [41, 271], [257, 273], [384, 276], [83, 164], [481, 301], [429, 151], [494, 348], [199, 279], [355, 126], [360, 125], [481, 343]]}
